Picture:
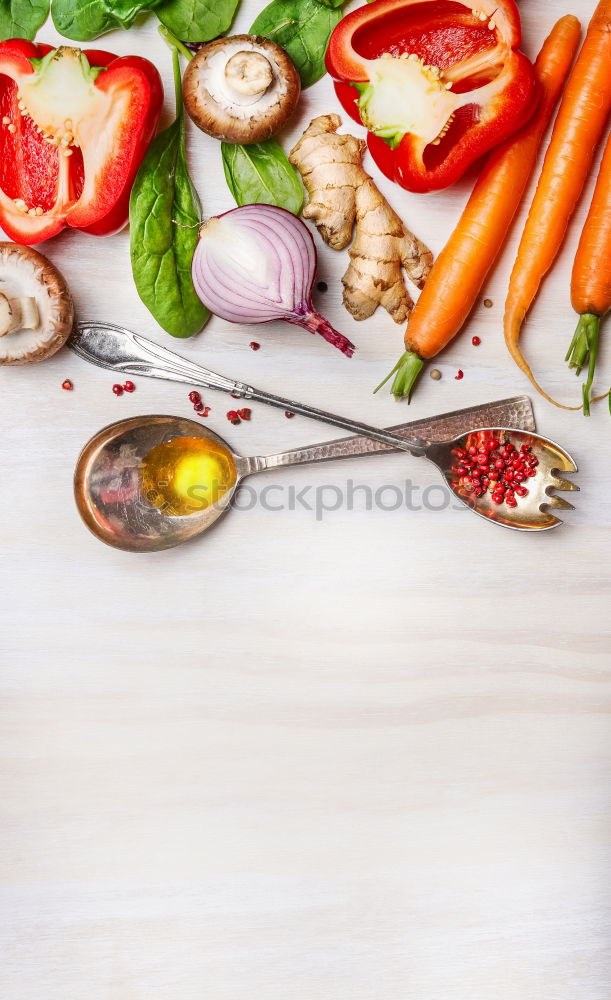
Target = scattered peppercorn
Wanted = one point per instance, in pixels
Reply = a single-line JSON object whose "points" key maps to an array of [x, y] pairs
{"points": [[67, 385], [233, 417], [459, 374], [488, 303], [322, 286], [118, 390], [435, 374], [289, 414], [254, 346], [235, 395], [245, 413], [129, 386], [196, 398], [476, 341]]}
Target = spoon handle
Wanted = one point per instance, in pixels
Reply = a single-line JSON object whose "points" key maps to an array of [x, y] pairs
{"points": [[515, 412]]}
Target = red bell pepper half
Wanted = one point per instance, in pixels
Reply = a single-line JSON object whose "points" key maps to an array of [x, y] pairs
{"points": [[74, 128], [435, 82]]}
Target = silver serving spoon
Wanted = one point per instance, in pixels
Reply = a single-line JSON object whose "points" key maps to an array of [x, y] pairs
{"points": [[108, 484], [122, 351]]}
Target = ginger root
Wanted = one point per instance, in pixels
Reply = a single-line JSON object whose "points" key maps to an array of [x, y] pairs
{"points": [[341, 192]]}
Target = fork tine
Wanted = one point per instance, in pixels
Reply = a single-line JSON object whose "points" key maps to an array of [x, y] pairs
{"points": [[558, 503], [564, 484]]}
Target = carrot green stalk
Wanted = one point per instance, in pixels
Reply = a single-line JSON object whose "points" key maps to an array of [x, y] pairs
{"points": [[579, 125], [461, 268], [591, 279]]}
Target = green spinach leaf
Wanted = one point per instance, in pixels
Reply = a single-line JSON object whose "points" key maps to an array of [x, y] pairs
{"points": [[197, 20], [163, 203], [83, 20], [22, 18], [262, 173], [303, 28]]}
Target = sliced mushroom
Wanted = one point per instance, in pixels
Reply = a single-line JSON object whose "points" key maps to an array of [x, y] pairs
{"points": [[241, 89], [36, 310]]}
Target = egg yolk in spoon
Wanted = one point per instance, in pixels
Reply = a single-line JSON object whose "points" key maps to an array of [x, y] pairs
{"points": [[186, 475]]}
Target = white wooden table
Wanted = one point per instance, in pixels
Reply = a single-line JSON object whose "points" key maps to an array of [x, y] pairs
{"points": [[361, 758]]}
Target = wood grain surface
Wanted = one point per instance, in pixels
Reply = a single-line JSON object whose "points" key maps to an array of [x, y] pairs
{"points": [[364, 756]]}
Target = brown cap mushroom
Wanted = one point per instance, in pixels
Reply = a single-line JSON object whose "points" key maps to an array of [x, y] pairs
{"points": [[241, 89], [36, 310]]}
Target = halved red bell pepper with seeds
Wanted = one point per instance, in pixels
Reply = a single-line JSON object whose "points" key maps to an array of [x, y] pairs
{"points": [[74, 128], [435, 82]]}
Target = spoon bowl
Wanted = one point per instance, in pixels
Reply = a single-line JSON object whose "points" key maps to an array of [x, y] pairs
{"points": [[121, 350], [112, 497], [108, 489]]}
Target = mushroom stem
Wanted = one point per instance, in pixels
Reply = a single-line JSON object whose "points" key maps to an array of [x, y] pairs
{"points": [[17, 314], [248, 73]]}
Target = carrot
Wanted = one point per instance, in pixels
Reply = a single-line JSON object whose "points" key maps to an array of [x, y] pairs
{"points": [[591, 279], [461, 268], [579, 125]]}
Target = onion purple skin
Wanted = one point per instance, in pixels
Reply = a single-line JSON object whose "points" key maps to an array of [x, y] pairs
{"points": [[230, 288]]}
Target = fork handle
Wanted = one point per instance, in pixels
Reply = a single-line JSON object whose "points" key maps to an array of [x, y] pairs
{"points": [[387, 439], [121, 350], [514, 412]]}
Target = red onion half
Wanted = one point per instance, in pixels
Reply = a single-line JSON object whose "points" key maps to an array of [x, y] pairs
{"points": [[257, 263]]}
